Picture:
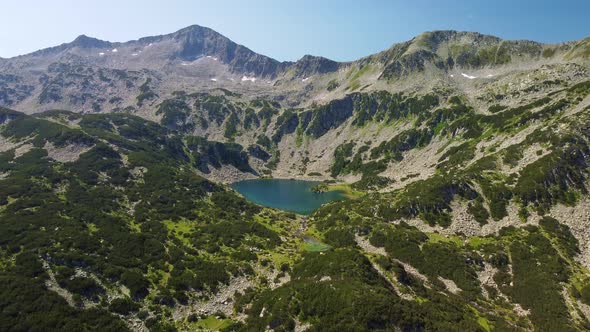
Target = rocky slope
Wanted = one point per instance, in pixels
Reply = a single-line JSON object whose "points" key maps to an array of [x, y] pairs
{"points": [[90, 75]]}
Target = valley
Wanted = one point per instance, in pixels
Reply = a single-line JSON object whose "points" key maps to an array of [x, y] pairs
{"points": [[146, 185]]}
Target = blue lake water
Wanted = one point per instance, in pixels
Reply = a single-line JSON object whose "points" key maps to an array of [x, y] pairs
{"points": [[289, 195]]}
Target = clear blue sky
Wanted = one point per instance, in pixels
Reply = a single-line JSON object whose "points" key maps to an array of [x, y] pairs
{"points": [[288, 29]]}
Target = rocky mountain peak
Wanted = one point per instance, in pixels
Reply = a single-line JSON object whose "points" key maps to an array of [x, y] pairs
{"points": [[196, 29], [437, 38], [196, 41], [84, 41], [309, 65], [449, 49]]}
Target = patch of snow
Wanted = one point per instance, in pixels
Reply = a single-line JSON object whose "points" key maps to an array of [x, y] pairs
{"points": [[114, 50], [490, 75], [134, 54], [101, 54], [246, 78], [231, 79], [184, 64], [208, 56], [305, 79], [150, 44], [214, 79], [215, 59], [468, 76], [452, 75]]}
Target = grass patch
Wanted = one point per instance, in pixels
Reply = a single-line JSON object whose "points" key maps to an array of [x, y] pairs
{"points": [[346, 190], [363, 70], [210, 323], [484, 323], [92, 228], [436, 237], [354, 85], [477, 241], [312, 244], [179, 228]]}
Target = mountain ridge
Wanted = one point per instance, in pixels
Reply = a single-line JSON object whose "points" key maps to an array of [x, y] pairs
{"points": [[195, 27], [204, 59]]}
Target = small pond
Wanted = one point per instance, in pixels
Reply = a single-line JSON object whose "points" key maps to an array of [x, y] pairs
{"points": [[289, 195]]}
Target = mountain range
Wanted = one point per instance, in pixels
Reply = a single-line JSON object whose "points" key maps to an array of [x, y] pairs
{"points": [[202, 58], [466, 159]]}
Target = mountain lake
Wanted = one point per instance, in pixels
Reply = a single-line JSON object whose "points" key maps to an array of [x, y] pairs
{"points": [[286, 194]]}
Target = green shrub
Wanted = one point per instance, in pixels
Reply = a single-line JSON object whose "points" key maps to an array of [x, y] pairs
{"points": [[123, 306]]}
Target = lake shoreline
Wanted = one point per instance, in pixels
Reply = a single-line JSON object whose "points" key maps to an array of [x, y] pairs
{"points": [[340, 186], [292, 195]]}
